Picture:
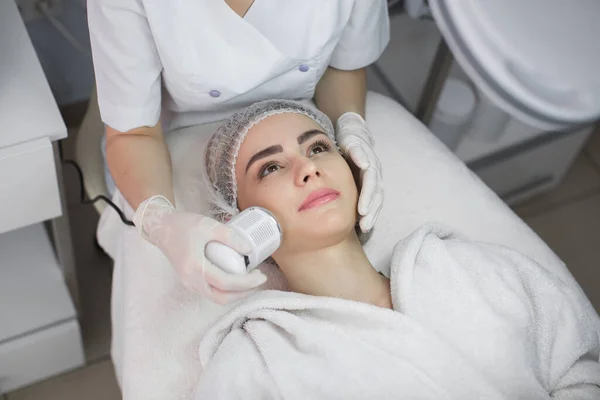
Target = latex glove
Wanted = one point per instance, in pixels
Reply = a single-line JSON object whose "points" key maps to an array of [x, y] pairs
{"points": [[182, 237], [355, 140]]}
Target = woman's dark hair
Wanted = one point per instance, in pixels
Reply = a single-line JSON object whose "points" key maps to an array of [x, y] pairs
{"points": [[363, 237]]}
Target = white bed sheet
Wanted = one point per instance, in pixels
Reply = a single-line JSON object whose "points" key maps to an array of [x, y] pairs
{"points": [[157, 324]]}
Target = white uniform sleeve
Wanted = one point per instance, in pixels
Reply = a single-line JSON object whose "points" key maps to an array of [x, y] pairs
{"points": [[126, 64], [365, 36]]}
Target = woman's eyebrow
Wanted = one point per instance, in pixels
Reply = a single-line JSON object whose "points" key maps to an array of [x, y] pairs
{"points": [[269, 151], [308, 134]]}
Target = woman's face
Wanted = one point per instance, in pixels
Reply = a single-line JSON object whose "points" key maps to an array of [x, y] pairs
{"points": [[287, 165]]}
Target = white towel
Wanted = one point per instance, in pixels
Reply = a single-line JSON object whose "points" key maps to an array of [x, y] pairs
{"points": [[471, 320]]}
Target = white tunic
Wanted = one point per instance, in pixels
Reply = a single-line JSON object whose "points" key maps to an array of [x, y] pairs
{"points": [[196, 61]]}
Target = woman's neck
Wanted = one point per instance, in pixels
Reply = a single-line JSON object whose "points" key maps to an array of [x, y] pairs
{"points": [[342, 270]]}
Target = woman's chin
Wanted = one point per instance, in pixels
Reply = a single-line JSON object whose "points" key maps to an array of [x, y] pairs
{"points": [[325, 222]]}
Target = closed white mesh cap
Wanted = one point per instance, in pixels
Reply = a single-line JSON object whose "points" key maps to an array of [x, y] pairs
{"points": [[224, 145]]}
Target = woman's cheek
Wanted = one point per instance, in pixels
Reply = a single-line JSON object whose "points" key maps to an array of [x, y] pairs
{"points": [[266, 195], [281, 201]]}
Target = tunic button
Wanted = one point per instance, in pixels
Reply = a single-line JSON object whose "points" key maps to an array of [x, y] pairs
{"points": [[303, 68], [214, 93]]}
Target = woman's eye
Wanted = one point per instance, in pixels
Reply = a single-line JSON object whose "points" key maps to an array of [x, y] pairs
{"points": [[267, 169], [317, 150], [318, 147]]}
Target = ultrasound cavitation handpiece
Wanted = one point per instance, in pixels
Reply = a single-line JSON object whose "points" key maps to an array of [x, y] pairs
{"points": [[260, 228]]}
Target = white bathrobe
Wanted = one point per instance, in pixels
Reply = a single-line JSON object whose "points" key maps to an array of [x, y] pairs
{"points": [[470, 321]]}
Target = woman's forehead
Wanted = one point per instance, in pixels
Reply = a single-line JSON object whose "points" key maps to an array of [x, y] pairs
{"points": [[278, 128]]}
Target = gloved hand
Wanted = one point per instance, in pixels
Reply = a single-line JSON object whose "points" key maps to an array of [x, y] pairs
{"points": [[182, 237], [355, 140]]}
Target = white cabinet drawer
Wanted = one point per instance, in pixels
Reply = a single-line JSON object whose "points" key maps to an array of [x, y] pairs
{"points": [[39, 333], [28, 186], [40, 355], [520, 175], [33, 293]]}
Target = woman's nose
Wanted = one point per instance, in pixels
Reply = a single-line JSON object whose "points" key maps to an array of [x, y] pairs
{"points": [[307, 171]]}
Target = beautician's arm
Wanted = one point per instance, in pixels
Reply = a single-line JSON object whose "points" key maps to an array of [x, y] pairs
{"points": [[139, 163], [341, 91]]}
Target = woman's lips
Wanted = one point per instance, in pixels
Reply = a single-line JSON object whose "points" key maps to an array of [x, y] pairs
{"points": [[319, 197]]}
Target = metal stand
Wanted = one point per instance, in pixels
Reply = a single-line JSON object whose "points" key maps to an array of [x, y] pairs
{"points": [[438, 73]]}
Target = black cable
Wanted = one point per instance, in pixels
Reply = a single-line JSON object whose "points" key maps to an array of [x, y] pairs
{"points": [[82, 196]]}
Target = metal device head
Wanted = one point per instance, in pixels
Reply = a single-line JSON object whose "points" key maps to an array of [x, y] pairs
{"points": [[260, 228]]}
